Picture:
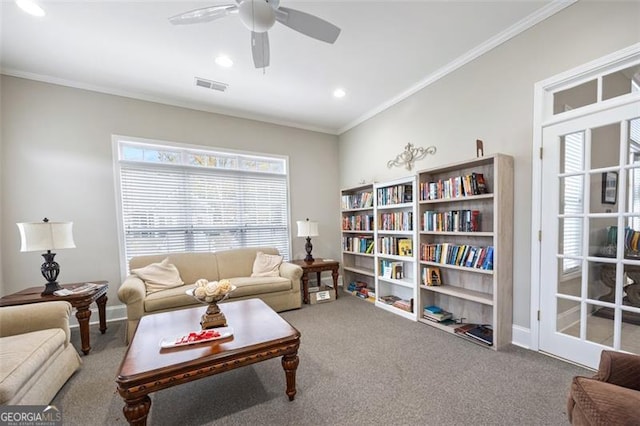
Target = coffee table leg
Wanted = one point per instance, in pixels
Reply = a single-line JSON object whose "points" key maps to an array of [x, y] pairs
{"points": [[137, 410], [102, 312], [290, 364], [83, 314]]}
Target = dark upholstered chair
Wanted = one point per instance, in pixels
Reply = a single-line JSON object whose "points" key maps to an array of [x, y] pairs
{"points": [[611, 397]]}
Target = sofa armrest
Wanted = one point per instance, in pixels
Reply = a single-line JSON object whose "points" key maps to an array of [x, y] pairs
{"points": [[620, 369], [132, 293], [34, 317], [291, 271]]}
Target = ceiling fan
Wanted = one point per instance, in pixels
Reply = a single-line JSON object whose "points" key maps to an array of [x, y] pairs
{"points": [[259, 16]]}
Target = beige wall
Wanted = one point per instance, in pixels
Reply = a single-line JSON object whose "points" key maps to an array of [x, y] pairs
{"points": [[491, 98], [57, 162]]}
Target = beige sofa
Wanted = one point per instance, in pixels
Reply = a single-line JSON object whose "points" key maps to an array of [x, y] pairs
{"points": [[281, 293], [36, 357]]}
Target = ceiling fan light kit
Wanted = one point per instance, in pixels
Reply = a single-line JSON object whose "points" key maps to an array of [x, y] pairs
{"points": [[258, 16]]}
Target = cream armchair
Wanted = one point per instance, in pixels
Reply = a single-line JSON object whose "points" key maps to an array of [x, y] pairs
{"points": [[36, 356]]}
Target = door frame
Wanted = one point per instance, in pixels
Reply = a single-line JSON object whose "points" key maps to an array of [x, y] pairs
{"points": [[543, 117]]}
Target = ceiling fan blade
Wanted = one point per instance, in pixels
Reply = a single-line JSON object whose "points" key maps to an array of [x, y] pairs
{"points": [[206, 14], [260, 49], [306, 24]]}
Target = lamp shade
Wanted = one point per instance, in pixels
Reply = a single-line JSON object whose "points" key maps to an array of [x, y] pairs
{"points": [[307, 228], [37, 236]]}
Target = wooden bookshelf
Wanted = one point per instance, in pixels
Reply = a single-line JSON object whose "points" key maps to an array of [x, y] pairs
{"points": [[473, 294], [357, 265], [396, 243]]}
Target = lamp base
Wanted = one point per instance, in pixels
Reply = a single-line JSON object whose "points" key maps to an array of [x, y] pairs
{"points": [[308, 247], [51, 287]]}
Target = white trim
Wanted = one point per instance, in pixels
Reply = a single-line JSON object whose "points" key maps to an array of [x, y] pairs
{"points": [[521, 336], [519, 27]]}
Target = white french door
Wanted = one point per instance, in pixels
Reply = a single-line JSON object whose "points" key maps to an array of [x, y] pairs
{"points": [[590, 247]]}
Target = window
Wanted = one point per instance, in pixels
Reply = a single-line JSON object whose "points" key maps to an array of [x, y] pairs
{"points": [[181, 199]]}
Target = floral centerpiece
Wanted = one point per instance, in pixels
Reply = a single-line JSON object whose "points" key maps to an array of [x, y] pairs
{"points": [[212, 292]]}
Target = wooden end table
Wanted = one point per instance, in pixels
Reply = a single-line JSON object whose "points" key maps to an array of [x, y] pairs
{"points": [[80, 301], [259, 333], [318, 266]]}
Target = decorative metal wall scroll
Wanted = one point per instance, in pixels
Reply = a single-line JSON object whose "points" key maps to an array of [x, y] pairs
{"points": [[410, 155]]}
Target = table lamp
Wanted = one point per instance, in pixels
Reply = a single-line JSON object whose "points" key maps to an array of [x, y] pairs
{"points": [[45, 235], [307, 228]]}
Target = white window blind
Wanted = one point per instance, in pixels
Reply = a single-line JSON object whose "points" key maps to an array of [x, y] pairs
{"points": [[572, 197], [183, 200]]}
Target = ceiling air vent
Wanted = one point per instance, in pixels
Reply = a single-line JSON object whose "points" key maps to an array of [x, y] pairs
{"points": [[209, 84]]}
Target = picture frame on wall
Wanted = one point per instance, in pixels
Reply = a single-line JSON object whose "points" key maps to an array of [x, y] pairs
{"points": [[609, 187]]}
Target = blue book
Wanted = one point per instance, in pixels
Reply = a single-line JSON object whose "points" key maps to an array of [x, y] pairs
{"points": [[433, 309]]}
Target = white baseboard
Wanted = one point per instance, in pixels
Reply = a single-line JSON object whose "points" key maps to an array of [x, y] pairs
{"points": [[521, 336]]}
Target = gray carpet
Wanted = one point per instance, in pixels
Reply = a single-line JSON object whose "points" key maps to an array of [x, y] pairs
{"points": [[359, 365]]}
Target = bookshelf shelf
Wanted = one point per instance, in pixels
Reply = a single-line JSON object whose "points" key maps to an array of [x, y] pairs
{"points": [[478, 295], [459, 233], [403, 283], [462, 293], [459, 268], [361, 271], [472, 198], [350, 231]]}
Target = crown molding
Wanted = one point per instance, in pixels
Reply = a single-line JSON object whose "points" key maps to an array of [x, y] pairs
{"points": [[519, 27], [162, 100]]}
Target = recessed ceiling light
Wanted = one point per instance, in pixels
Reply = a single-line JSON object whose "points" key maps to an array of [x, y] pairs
{"points": [[30, 7], [224, 61], [339, 93]]}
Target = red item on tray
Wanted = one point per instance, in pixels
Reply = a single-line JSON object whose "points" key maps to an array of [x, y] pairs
{"points": [[195, 337]]}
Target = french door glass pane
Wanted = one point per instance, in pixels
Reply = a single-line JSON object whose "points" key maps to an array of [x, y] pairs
{"points": [[568, 317], [575, 97], [605, 146], [599, 324], [630, 336], [603, 236]]}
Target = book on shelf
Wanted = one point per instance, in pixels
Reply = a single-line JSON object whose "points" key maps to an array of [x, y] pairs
{"points": [[405, 247], [405, 305], [432, 309], [389, 300], [481, 333], [432, 276], [440, 316], [356, 285], [397, 270]]}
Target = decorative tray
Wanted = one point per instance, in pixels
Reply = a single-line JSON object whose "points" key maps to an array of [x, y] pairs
{"points": [[196, 337]]}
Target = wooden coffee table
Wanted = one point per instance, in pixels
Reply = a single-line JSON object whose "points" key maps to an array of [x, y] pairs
{"points": [[259, 333]]}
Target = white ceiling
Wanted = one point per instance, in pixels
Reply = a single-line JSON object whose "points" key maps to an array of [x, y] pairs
{"points": [[386, 50]]}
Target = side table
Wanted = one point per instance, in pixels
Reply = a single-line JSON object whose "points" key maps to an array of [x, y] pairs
{"points": [[318, 266], [80, 301]]}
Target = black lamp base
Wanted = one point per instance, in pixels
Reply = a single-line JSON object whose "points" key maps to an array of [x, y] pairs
{"points": [[308, 247], [50, 287], [50, 270]]}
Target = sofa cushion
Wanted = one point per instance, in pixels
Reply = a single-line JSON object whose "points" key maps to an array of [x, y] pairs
{"points": [[239, 262], [192, 266], [159, 276], [246, 286], [169, 299], [266, 265], [605, 403], [23, 355]]}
